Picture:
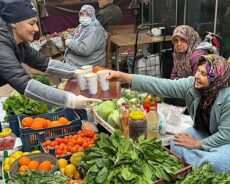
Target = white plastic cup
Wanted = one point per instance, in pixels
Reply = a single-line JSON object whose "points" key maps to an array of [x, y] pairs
{"points": [[88, 68], [104, 83], [81, 79], [91, 80]]}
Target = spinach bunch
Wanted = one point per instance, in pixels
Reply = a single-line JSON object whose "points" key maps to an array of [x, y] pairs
{"points": [[17, 104], [118, 160], [43, 79], [37, 177], [205, 175]]}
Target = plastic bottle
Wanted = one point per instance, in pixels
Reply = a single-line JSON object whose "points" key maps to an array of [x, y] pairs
{"points": [[125, 120], [153, 124]]}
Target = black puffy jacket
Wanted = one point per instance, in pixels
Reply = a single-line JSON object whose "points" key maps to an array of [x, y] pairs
{"points": [[11, 57]]}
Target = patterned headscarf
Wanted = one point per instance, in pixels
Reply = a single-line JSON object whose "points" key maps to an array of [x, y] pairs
{"points": [[181, 60], [218, 73], [80, 30]]}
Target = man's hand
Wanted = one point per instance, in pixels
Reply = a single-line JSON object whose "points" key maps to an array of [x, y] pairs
{"points": [[187, 141]]}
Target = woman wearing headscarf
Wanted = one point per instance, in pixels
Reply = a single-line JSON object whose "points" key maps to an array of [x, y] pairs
{"points": [[87, 46], [18, 25], [207, 97], [187, 50]]}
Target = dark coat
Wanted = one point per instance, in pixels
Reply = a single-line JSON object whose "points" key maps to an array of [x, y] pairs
{"points": [[110, 15], [11, 57]]}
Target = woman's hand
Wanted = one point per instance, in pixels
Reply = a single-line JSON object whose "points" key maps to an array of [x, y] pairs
{"points": [[120, 76], [187, 141]]}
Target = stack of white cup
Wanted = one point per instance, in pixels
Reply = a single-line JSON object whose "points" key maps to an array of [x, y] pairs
{"points": [[88, 80]]}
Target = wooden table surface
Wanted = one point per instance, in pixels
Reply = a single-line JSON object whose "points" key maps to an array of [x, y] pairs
{"points": [[113, 93], [143, 38]]}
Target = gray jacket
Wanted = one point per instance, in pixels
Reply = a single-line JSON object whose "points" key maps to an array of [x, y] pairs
{"points": [[184, 88], [12, 73], [89, 49]]}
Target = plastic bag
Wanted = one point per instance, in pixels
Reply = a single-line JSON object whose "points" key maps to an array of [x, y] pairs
{"points": [[87, 125]]}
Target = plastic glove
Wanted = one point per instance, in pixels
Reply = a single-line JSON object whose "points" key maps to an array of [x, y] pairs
{"points": [[82, 102]]}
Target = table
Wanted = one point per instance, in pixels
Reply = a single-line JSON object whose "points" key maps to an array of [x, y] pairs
{"points": [[113, 93], [129, 40]]}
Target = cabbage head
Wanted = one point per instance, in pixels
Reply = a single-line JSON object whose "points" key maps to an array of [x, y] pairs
{"points": [[105, 108], [114, 119]]}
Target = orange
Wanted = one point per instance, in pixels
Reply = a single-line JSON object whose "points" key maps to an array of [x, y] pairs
{"points": [[27, 122], [45, 166], [24, 161], [33, 165], [63, 120], [23, 169], [36, 125], [55, 124]]}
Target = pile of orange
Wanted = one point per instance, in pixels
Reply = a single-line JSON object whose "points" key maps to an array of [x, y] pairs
{"points": [[40, 123], [25, 163]]}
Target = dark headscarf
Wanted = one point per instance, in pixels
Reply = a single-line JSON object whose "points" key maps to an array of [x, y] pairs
{"points": [[218, 73], [181, 60]]}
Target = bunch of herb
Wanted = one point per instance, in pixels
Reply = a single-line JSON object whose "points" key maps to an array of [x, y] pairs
{"points": [[37, 177], [117, 160], [43, 79], [204, 175], [17, 104]]}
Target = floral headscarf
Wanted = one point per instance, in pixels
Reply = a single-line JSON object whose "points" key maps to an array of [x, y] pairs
{"points": [[218, 73], [80, 30], [181, 60]]}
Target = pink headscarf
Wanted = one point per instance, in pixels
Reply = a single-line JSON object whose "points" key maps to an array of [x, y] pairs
{"points": [[181, 60]]}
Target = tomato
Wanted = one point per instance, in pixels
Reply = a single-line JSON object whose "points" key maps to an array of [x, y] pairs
{"points": [[58, 152], [79, 141], [98, 68]]}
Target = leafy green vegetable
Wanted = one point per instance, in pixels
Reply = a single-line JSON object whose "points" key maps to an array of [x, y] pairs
{"points": [[205, 175], [105, 108], [37, 177], [17, 104], [43, 79], [114, 119], [118, 160]]}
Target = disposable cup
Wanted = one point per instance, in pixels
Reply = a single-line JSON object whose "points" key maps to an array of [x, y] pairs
{"points": [[91, 80], [104, 83], [88, 68], [81, 79]]}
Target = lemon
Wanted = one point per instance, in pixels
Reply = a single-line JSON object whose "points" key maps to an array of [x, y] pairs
{"points": [[11, 160], [36, 151], [7, 160], [62, 163], [25, 153], [6, 167], [70, 170], [17, 154]]}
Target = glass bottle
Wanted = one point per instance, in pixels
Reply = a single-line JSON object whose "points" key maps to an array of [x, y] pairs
{"points": [[137, 124], [153, 124], [125, 120]]}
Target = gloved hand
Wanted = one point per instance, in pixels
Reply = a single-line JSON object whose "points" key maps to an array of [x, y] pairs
{"points": [[82, 102]]}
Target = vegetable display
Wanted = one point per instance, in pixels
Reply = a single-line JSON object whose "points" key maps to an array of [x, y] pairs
{"points": [[205, 175], [17, 104], [117, 160], [37, 177]]}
